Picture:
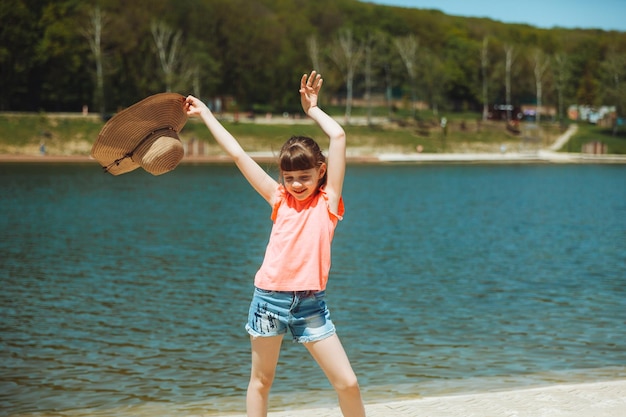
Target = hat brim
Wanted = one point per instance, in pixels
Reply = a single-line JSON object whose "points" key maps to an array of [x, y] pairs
{"points": [[128, 128]]}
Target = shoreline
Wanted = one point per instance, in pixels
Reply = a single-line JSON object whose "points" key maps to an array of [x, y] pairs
{"points": [[605, 398], [542, 156]]}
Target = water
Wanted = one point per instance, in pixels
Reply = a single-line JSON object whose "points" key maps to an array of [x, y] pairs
{"points": [[128, 295]]}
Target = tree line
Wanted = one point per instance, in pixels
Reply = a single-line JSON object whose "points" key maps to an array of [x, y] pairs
{"points": [[58, 55]]}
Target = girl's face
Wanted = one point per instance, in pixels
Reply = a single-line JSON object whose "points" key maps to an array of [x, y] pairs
{"points": [[303, 183]]}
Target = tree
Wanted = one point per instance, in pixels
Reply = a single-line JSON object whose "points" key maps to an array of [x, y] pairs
{"points": [[202, 69], [64, 82], [510, 55], [541, 62], [484, 63], [93, 33], [375, 41], [615, 69], [347, 56], [434, 78], [407, 48], [562, 75], [254, 49], [168, 45], [388, 74], [313, 50], [19, 34]]}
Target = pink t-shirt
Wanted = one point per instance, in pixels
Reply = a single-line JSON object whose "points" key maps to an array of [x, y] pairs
{"points": [[297, 257]]}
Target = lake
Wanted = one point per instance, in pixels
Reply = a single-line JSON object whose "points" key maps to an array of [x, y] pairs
{"points": [[128, 295]]}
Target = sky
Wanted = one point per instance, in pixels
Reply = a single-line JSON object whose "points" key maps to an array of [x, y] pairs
{"points": [[584, 14]]}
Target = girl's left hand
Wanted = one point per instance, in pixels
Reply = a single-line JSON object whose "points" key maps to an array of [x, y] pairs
{"points": [[194, 106], [309, 90]]}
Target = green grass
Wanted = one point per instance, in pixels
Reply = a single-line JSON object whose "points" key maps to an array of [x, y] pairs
{"points": [[403, 137], [253, 137], [590, 133], [29, 130], [22, 133]]}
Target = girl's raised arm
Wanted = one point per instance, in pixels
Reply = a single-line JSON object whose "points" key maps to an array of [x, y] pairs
{"points": [[260, 180], [336, 164]]}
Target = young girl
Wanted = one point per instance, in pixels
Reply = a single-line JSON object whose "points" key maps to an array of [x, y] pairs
{"points": [[290, 284]]}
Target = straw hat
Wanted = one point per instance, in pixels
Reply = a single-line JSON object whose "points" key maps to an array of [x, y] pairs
{"points": [[143, 135]]}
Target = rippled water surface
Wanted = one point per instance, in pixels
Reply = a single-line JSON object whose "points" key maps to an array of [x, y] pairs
{"points": [[128, 295]]}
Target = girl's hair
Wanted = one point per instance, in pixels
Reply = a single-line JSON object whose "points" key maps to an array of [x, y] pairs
{"points": [[300, 153]]}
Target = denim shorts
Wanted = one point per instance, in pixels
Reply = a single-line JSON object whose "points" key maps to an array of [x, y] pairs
{"points": [[304, 313]]}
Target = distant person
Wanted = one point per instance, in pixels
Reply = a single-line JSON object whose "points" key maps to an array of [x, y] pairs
{"points": [[290, 284], [218, 105]]}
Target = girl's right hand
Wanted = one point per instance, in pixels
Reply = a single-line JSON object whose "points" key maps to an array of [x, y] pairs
{"points": [[309, 90]]}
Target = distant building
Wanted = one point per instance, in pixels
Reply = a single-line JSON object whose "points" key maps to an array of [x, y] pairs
{"points": [[499, 112], [589, 114], [525, 112], [530, 111]]}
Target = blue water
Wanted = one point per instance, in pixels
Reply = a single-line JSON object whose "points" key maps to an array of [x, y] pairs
{"points": [[128, 295]]}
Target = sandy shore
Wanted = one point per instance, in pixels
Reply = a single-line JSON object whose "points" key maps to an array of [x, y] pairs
{"points": [[598, 399]]}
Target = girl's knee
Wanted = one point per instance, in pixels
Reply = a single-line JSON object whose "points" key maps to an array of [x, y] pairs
{"points": [[347, 384], [261, 382]]}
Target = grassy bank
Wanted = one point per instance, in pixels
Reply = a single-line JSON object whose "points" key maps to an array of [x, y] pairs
{"points": [[591, 133], [74, 134]]}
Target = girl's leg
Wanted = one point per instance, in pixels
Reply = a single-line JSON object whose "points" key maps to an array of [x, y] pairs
{"points": [[332, 358], [265, 352]]}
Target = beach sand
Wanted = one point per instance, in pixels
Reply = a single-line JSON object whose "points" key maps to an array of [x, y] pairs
{"points": [[598, 399]]}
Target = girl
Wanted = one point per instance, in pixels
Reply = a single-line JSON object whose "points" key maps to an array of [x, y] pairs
{"points": [[290, 284]]}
